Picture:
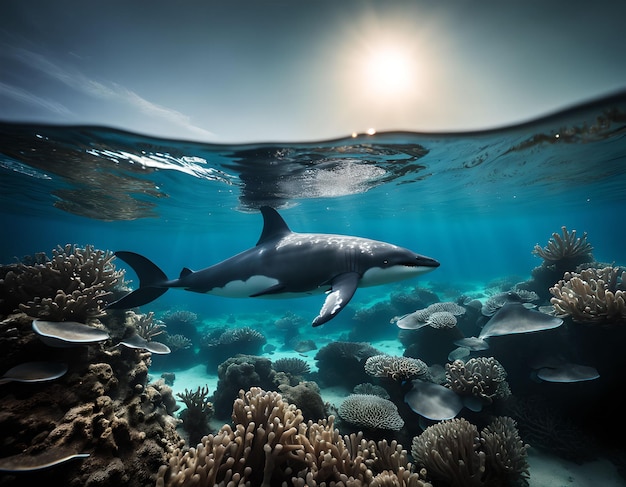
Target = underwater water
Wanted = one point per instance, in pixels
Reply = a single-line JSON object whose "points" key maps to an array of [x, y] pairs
{"points": [[476, 202]]}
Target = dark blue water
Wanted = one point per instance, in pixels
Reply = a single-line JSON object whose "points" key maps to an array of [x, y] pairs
{"points": [[477, 202]]}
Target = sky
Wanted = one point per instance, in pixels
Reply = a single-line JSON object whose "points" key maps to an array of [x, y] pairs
{"points": [[261, 71]]}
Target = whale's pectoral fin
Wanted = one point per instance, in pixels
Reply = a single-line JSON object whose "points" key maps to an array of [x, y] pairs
{"points": [[342, 289]]}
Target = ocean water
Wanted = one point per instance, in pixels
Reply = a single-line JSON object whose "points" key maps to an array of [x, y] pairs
{"points": [[477, 202]]}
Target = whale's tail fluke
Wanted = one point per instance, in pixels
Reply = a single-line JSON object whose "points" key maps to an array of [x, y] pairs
{"points": [[151, 282]]}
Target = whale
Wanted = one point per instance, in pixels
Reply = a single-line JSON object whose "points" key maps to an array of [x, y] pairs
{"points": [[285, 264]]}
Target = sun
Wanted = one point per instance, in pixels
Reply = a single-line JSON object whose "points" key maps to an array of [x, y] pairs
{"points": [[388, 71]]}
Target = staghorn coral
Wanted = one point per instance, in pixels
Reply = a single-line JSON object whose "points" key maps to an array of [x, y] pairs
{"points": [[591, 296], [396, 368], [566, 247], [198, 413], [146, 325], [455, 454], [372, 412], [270, 444], [73, 285], [480, 377]]}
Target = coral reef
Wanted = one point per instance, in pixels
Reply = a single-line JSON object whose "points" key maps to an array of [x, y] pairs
{"points": [[293, 366], [197, 414], [241, 372], [372, 389], [270, 444], [181, 322], [592, 296], [396, 368], [561, 255], [146, 325], [306, 396], [216, 349], [341, 363], [370, 412], [481, 377], [569, 246], [103, 406], [73, 285], [454, 454]]}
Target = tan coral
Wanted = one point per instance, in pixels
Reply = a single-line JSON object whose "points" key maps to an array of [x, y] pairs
{"points": [[591, 296], [564, 247], [271, 445]]}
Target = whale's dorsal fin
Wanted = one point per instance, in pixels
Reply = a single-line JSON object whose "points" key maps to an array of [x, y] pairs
{"points": [[273, 225]]}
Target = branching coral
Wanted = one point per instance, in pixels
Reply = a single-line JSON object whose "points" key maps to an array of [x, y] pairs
{"points": [[397, 368], [72, 285], [199, 411], [454, 454], [371, 412], [566, 247], [146, 325], [481, 377], [270, 444], [591, 296]]}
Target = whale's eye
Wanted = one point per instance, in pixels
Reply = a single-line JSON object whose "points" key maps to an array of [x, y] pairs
{"points": [[385, 262]]}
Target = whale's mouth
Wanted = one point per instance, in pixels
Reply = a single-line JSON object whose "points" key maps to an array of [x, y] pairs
{"points": [[422, 261]]}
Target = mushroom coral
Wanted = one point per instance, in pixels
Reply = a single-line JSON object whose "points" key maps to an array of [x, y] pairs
{"points": [[455, 454], [270, 444], [591, 296]]}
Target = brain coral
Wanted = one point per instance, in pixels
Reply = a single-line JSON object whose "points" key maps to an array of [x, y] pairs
{"points": [[481, 377], [371, 412]]}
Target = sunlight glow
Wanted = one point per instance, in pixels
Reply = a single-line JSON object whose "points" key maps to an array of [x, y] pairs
{"points": [[388, 71]]}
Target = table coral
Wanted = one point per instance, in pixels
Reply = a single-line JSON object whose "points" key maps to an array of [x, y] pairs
{"points": [[592, 296]]}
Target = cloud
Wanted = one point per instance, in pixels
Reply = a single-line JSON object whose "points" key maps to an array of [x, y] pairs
{"points": [[108, 91], [24, 96]]}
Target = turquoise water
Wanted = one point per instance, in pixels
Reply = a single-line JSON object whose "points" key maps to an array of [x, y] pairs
{"points": [[477, 202]]}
